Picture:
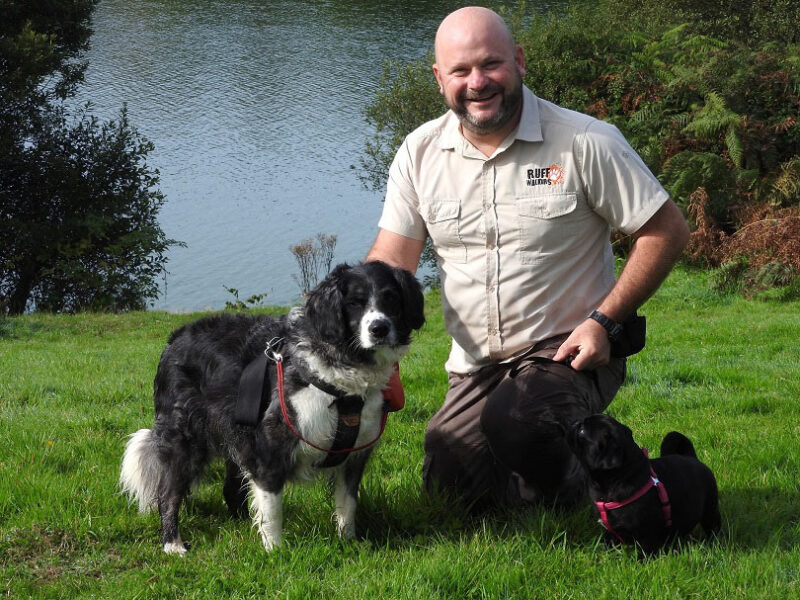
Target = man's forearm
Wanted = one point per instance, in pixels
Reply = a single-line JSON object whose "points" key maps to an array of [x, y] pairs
{"points": [[657, 248]]}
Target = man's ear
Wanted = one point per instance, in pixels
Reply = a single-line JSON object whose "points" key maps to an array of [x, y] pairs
{"points": [[519, 58], [436, 74]]}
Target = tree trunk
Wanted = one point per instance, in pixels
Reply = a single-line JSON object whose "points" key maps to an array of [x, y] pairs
{"points": [[18, 298]]}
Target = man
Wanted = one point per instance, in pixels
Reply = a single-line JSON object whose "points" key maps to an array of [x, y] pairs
{"points": [[519, 197]]}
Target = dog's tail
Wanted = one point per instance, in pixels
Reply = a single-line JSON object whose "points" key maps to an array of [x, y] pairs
{"points": [[677, 443], [141, 469]]}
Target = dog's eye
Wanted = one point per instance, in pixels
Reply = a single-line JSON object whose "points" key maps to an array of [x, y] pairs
{"points": [[390, 301], [355, 302]]}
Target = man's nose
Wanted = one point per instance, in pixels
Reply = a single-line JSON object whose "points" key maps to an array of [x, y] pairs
{"points": [[477, 79]]}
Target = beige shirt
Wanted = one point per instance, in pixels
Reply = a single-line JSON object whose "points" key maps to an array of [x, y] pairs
{"points": [[521, 237]]}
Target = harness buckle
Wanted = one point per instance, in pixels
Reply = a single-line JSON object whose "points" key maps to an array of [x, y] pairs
{"points": [[271, 353]]}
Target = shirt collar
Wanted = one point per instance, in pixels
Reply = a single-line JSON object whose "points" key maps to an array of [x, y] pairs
{"points": [[528, 130]]}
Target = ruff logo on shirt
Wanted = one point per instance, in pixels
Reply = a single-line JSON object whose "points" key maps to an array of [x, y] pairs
{"points": [[552, 175]]}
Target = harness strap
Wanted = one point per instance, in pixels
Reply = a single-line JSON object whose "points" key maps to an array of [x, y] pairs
{"points": [[250, 402], [653, 482], [347, 427], [350, 424]]}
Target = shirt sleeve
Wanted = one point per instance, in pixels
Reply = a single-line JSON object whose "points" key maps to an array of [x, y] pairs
{"points": [[619, 186], [401, 207]]}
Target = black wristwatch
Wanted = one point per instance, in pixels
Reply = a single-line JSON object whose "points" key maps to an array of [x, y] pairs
{"points": [[613, 329]]}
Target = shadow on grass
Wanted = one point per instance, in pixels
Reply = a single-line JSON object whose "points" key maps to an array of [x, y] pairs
{"points": [[407, 518], [753, 518], [413, 518], [760, 517]]}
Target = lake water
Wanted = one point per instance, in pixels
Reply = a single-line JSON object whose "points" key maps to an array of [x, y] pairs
{"points": [[256, 112]]}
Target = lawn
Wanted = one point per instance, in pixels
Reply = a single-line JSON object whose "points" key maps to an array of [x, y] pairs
{"points": [[723, 370]]}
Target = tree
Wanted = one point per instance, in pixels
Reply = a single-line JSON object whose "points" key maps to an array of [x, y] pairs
{"points": [[79, 208], [78, 202]]}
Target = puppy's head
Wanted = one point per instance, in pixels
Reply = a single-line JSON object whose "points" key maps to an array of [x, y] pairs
{"points": [[365, 307], [601, 443]]}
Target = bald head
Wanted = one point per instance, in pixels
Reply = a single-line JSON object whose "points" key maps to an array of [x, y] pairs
{"points": [[479, 71], [472, 25]]}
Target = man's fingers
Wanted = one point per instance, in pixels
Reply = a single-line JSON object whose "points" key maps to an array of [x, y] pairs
{"points": [[565, 351]]}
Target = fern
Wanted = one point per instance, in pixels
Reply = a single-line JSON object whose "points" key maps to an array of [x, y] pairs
{"points": [[787, 184]]}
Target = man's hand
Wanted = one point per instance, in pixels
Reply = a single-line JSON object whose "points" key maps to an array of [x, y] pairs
{"points": [[589, 346]]}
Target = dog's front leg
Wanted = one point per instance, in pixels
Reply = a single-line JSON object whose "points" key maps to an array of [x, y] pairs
{"points": [[346, 502], [267, 515], [345, 492]]}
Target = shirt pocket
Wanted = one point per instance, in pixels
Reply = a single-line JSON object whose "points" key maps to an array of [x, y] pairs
{"points": [[547, 224], [443, 218]]}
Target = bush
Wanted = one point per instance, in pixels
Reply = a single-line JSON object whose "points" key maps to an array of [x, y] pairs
{"points": [[714, 115], [79, 207], [314, 258]]}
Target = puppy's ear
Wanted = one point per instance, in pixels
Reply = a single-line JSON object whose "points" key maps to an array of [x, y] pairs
{"points": [[325, 306], [413, 300]]}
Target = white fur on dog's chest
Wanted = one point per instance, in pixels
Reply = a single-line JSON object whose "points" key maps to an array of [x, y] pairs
{"points": [[316, 420]]}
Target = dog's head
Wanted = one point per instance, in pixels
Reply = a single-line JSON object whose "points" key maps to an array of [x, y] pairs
{"points": [[365, 307], [601, 443]]}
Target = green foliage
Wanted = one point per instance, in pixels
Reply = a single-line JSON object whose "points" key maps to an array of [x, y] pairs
{"points": [[707, 93], [407, 97], [238, 305], [78, 202], [79, 206]]}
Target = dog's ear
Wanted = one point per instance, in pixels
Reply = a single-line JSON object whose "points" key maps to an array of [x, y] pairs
{"points": [[324, 308], [413, 300]]}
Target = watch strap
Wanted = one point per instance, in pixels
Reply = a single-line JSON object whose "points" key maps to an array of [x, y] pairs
{"points": [[613, 329]]}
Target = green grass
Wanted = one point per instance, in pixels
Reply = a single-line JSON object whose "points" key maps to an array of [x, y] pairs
{"points": [[722, 370]]}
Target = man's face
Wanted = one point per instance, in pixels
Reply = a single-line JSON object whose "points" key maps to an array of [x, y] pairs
{"points": [[480, 78]]}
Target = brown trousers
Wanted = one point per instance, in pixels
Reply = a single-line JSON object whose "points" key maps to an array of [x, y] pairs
{"points": [[499, 436]]}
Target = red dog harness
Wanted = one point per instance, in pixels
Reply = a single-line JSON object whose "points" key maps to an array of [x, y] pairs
{"points": [[654, 482], [279, 365]]}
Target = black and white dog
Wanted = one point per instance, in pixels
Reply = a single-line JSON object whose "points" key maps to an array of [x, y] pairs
{"points": [[355, 325]]}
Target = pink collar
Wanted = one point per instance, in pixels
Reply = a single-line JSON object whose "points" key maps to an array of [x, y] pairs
{"points": [[653, 482]]}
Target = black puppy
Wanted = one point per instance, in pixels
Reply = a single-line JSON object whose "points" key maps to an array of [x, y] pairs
{"points": [[639, 500]]}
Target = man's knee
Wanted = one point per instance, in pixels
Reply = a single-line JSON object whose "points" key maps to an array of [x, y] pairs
{"points": [[535, 401], [524, 420]]}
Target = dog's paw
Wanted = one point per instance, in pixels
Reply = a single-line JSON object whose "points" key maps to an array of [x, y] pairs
{"points": [[346, 529], [270, 541], [175, 547]]}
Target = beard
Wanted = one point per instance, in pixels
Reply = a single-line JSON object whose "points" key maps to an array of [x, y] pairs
{"points": [[509, 105]]}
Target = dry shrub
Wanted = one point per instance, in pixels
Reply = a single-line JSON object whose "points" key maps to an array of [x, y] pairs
{"points": [[707, 237], [772, 238], [763, 253]]}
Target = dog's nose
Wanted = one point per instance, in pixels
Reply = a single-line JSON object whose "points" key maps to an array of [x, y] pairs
{"points": [[379, 328]]}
